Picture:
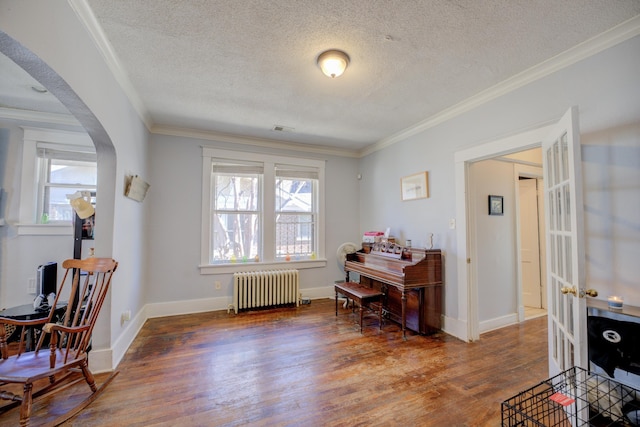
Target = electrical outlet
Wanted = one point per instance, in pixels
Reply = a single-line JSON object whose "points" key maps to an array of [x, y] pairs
{"points": [[126, 316], [218, 285]]}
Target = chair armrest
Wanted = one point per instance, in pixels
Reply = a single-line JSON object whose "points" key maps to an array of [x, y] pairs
{"points": [[51, 327], [16, 322]]}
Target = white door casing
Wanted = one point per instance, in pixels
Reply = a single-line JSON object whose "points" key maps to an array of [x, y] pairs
{"points": [[565, 245]]}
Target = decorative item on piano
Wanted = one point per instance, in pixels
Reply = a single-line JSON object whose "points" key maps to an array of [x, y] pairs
{"points": [[372, 236]]}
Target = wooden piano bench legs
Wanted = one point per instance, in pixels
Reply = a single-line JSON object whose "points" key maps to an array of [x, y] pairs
{"points": [[364, 296]]}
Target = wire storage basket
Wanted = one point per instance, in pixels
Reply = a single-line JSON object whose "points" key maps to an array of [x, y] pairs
{"points": [[575, 397]]}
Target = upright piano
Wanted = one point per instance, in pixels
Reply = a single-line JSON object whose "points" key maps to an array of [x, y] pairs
{"points": [[410, 279]]}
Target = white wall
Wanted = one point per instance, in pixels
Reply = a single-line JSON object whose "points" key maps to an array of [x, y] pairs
{"points": [[495, 266], [606, 89], [56, 48], [174, 223]]}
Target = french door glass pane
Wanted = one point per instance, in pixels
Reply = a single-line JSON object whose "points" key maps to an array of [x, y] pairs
{"points": [[554, 301], [565, 157], [556, 163], [552, 212], [554, 342], [567, 207], [568, 269], [570, 308], [552, 245], [559, 210], [561, 310], [561, 352], [560, 256], [549, 168]]}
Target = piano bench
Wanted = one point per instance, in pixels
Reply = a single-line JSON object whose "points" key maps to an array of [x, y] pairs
{"points": [[364, 296]]}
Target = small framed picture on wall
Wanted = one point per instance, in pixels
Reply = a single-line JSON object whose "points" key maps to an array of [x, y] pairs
{"points": [[496, 205]]}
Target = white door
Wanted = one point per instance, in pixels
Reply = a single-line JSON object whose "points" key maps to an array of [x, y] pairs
{"points": [[565, 246], [529, 243]]}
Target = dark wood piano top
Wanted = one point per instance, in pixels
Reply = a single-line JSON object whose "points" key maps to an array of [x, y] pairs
{"points": [[398, 266]]}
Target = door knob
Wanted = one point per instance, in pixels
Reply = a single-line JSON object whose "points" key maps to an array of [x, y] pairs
{"points": [[567, 290], [591, 292]]}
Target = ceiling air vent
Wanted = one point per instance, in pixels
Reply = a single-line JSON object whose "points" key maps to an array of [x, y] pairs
{"points": [[280, 128]]}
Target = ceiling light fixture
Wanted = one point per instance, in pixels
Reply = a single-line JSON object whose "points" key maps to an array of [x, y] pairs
{"points": [[333, 62]]}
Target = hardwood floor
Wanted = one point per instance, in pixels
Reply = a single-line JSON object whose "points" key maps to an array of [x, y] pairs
{"points": [[307, 367]]}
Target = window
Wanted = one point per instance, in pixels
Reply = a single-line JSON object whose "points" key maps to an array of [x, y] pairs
{"points": [[54, 163], [296, 212], [62, 172], [260, 209]]}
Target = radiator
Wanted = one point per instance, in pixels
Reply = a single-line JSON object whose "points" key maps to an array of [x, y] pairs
{"points": [[265, 289]]}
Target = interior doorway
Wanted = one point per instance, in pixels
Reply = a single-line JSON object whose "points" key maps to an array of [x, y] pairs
{"points": [[531, 243], [469, 328]]}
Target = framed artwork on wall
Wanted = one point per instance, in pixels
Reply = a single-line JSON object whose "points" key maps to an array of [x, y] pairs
{"points": [[496, 206], [414, 186]]}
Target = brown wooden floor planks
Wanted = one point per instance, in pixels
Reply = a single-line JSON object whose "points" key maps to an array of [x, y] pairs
{"points": [[306, 367]]}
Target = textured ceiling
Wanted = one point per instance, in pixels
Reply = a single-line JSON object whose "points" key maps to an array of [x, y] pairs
{"points": [[243, 66]]}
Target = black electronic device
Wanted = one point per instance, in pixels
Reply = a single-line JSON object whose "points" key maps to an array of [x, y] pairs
{"points": [[46, 284]]}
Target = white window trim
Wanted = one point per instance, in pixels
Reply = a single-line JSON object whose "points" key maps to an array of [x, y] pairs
{"points": [[208, 153], [28, 223]]}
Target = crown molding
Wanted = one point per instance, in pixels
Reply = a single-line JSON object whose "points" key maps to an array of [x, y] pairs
{"points": [[252, 141], [38, 116], [603, 41], [609, 38], [87, 18]]}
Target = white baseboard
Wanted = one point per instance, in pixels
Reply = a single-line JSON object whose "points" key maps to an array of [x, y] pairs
{"points": [[319, 292], [455, 327], [498, 322], [101, 360], [175, 308]]}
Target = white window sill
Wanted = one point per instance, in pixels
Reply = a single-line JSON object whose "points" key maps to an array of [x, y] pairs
{"points": [[61, 229], [258, 266]]}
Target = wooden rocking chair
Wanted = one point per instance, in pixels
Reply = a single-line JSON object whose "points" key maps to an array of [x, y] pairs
{"points": [[65, 363]]}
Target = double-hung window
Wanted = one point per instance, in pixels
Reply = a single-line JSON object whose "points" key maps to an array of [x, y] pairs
{"points": [[260, 209], [62, 170], [54, 163]]}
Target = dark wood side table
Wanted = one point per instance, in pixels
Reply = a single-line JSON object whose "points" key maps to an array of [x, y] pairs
{"points": [[27, 312], [363, 295]]}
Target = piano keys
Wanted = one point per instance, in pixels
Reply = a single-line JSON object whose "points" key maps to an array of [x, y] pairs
{"points": [[410, 279]]}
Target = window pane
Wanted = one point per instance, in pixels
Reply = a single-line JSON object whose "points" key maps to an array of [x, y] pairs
{"points": [[236, 192], [72, 172], [56, 204], [294, 195], [236, 237], [295, 235]]}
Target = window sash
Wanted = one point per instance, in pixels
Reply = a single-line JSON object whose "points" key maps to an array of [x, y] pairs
{"points": [[52, 204]]}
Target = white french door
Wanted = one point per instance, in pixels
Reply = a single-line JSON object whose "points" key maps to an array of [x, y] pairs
{"points": [[567, 312]]}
